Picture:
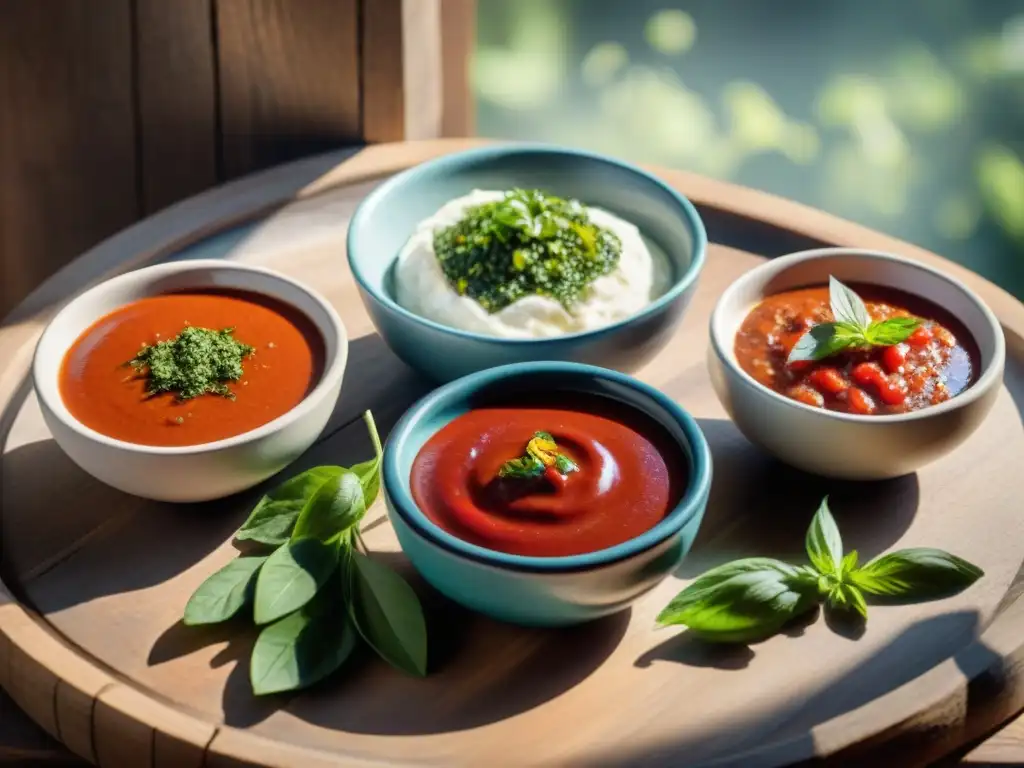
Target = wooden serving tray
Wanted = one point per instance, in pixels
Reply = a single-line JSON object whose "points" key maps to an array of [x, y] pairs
{"points": [[94, 582]]}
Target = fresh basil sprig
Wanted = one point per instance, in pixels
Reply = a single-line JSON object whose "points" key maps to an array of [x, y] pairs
{"points": [[751, 599], [315, 594], [853, 328]]}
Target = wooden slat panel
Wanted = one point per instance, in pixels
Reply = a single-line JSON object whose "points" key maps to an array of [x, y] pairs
{"points": [[67, 135], [177, 103], [382, 71], [289, 79], [458, 39]]}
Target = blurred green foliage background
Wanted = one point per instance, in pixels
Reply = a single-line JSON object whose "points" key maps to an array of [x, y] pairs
{"points": [[905, 116]]}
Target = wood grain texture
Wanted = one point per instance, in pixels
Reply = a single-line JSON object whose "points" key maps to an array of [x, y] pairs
{"points": [[458, 38], [289, 79], [402, 65], [67, 135], [111, 603], [176, 100]]}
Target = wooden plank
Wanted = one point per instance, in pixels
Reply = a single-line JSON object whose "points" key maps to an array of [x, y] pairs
{"points": [[176, 91], [289, 79], [458, 37], [382, 71], [67, 135], [415, 58]]}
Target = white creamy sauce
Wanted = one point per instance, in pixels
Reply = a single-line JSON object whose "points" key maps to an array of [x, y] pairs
{"points": [[641, 275]]}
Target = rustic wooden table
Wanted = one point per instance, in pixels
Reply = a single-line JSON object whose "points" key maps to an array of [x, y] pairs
{"points": [[72, 644]]}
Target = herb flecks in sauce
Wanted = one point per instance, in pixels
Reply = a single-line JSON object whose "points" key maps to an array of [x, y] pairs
{"points": [[526, 244], [195, 362], [541, 454]]}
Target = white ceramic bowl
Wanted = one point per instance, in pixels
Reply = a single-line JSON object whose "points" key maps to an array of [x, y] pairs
{"points": [[194, 472], [845, 445]]}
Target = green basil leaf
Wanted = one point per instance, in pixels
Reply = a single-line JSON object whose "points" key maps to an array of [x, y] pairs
{"points": [[921, 573], [742, 601], [388, 614], [272, 520], [824, 340], [368, 473], [824, 545], [291, 577], [849, 564], [335, 507], [304, 647], [847, 597], [224, 593], [885, 333], [847, 306]]}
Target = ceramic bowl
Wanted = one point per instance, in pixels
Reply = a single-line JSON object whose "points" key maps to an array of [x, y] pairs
{"points": [[542, 591], [840, 445], [195, 472], [387, 218]]}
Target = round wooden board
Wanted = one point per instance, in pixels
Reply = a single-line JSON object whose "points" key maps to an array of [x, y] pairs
{"points": [[94, 582]]}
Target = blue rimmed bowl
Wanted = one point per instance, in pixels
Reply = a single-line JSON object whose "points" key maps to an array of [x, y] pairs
{"points": [[543, 591], [389, 215]]}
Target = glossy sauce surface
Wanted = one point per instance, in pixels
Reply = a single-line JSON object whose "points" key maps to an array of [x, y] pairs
{"points": [[104, 394], [632, 474], [938, 361]]}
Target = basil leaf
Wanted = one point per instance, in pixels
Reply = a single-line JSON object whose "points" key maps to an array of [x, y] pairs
{"points": [[224, 593], [848, 597], [387, 614], [824, 340], [885, 333], [291, 577], [368, 473], [921, 573], [272, 520], [335, 507], [849, 564], [742, 601], [824, 545], [847, 306], [304, 647]]}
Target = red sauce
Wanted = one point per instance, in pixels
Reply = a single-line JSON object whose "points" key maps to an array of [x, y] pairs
{"points": [[631, 475], [937, 362], [110, 398]]}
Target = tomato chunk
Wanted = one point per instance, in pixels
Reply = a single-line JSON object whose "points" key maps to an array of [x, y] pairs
{"points": [[921, 337], [859, 401], [807, 396], [828, 380], [868, 374], [894, 357], [891, 394]]}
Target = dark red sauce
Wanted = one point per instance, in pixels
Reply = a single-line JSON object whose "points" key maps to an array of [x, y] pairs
{"points": [[631, 475], [937, 362]]}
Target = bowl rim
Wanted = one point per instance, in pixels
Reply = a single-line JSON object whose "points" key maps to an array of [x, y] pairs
{"points": [[396, 480], [367, 205], [991, 374], [334, 368]]}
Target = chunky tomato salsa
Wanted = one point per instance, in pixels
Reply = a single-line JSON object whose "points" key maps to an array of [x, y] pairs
{"points": [[937, 361], [563, 476]]}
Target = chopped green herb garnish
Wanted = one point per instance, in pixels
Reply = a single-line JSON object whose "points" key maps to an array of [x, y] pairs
{"points": [[541, 453], [195, 362], [526, 244]]}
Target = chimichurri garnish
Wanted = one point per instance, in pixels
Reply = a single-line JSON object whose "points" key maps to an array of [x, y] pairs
{"points": [[526, 244], [541, 459], [195, 362]]}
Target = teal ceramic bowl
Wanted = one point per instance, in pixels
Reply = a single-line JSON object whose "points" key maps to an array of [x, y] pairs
{"points": [[542, 591], [387, 218]]}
